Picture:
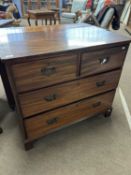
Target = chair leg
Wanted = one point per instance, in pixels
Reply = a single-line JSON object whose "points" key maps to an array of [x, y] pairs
{"points": [[1, 130]]}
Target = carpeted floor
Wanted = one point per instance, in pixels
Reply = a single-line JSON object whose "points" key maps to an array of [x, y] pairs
{"points": [[97, 146]]}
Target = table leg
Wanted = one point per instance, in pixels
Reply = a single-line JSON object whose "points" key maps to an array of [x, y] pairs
{"points": [[46, 21], [29, 21], [50, 21], [54, 20], [36, 22], [58, 17], [1, 130]]}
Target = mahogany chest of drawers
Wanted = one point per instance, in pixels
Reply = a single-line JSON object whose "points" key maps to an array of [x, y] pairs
{"points": [[57, 76]]}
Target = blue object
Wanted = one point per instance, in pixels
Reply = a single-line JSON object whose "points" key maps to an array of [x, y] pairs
{"points": [[18, 5]]}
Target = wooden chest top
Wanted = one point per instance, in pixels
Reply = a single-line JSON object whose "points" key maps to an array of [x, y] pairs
{"points": [[33, 41]]}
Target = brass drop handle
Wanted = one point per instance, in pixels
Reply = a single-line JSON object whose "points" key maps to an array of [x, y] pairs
{"points": [[100, 83], [96, 104], [49, 70], [104, 60], [52, 121], [50, 98]]}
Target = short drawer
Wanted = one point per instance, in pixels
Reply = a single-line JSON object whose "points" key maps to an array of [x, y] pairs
{"points": [[100, 61], [37, 74], [59, 95], [45, 123]]}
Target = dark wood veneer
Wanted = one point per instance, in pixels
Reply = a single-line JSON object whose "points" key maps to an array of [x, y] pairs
{"points": [[34, 41], [103, 60], [58, 75], [55, 96], [41, 73], [44, 123]]}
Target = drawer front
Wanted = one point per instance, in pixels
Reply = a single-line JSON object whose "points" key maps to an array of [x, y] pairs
{"points": [[43, 124], [56, 96], [102, 60], [37, 74]]}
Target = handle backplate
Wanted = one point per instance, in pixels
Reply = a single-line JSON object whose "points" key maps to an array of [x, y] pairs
{"points": [[49, 70], [96, 104], [50, 98], [52, 121], [104, 60], [100, 83]]}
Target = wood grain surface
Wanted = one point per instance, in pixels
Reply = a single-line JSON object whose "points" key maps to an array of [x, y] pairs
{"points": [[48, 98], [43, 124], [102, 60], [41, 73], [26, 42]]}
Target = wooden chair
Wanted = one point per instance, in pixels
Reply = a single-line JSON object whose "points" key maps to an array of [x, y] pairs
{"points": [[77, 5], [55, 8], [105, 22], [98, 17]]}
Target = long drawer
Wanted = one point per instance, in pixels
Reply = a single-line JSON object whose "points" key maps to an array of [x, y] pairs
{"points": [[41, 73], [48, 98], [100, 61], [43, 124]]}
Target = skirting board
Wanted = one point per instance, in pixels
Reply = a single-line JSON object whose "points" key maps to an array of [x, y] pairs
{"points": [[128, 30], [125, 107]]}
